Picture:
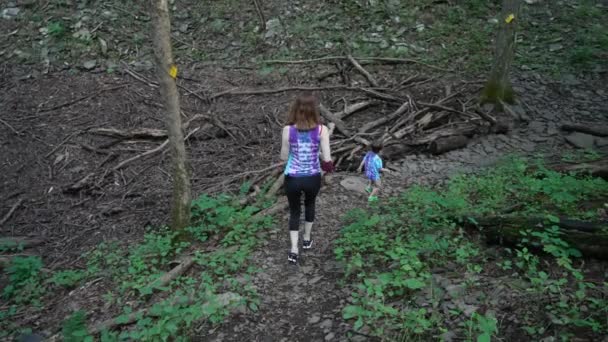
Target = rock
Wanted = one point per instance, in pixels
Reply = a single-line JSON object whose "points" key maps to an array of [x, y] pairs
{"points": [[314, 319], [601, 142], [356, 184], [555, 47], [10, 13], [537, 127], [140, 66], [448, 336], [272, 28], [315, 280], [329, 336], [183, 28], [326, 324], [90, 65], [581, 140]]}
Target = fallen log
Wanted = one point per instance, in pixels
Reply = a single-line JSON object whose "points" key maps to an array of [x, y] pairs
{"points": [[590, 238], [593, 130], [598, 168], [446, 144]]}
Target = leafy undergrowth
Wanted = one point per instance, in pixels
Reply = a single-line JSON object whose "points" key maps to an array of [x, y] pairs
{"points": [[553, 36], [420, 273], [223, 234]]}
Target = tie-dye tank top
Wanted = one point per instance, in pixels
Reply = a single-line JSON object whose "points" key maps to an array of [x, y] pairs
{"points": [[303, 152]]}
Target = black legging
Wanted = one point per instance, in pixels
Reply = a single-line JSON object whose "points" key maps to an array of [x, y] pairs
{"points": [[294, 187]]}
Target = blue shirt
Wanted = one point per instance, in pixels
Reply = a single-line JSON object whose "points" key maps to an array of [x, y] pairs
{"points": [[373, 165]]}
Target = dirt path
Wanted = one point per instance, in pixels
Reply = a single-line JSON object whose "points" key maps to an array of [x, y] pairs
{"points": [[298, 302]]}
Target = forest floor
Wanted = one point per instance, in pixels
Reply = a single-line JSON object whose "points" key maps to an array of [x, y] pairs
{"points": [[57, 172]]}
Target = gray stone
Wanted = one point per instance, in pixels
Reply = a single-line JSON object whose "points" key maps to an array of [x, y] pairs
{"points": [[356, 184], [272, 28], [329, 336], [537, 127], [183, 28], [448, 336], [326, 324], [315, 280], [314, 319], [581, 140], [601, 142], [10, 13], [90, 65]]}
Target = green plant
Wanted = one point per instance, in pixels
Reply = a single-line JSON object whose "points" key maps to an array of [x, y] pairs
{"points": [[10, 246], [481, 326], [75, 329], [25, 284], [67, 278], [56, 29]]}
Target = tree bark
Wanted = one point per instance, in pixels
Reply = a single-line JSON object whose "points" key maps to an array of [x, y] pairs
{"points": [[166, 70], [498, 88]]}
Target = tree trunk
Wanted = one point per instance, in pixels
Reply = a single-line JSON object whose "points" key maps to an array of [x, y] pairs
{"points": [[498, 88], [589, 238], [167, 73]]}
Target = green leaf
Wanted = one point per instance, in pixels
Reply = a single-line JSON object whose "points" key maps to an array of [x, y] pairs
{"points": [[485, 337], [414, 283]]}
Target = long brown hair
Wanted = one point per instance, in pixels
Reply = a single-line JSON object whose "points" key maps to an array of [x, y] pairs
{"points": [[304, 112]]}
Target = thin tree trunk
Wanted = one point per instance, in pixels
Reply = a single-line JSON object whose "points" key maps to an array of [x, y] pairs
{"points": [[167, 73], [498, 88]]}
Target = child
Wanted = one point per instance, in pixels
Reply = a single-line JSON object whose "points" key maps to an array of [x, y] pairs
{"points": [[373, 168]]}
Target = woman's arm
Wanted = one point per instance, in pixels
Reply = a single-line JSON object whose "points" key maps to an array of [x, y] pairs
{"points": [[285, 144], [325, 149]]}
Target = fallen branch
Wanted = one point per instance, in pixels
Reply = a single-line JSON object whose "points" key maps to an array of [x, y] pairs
{"points": [[10, 127], [141, 133], [235, 91], [177, 271], [141, 155], [353, 109], [364, 72], [341, 126], [11, 211], [61, 144], [150, 152], [276, 186], [597, 131], [373, 59], [388, 118], [258, 9], [70, 103]]}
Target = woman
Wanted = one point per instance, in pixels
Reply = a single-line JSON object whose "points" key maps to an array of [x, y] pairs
{"points": [[302, 139]]}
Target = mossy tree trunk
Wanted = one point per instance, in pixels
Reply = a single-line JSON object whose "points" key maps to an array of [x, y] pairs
{"points": [[498, 87], [167, 73]]}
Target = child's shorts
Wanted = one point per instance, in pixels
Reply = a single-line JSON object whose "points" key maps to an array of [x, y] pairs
{"points": [[376, 183]]}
